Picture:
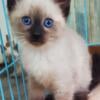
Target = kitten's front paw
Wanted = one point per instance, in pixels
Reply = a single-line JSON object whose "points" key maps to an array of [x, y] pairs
{"points": [[81, 95], [63, 96]]}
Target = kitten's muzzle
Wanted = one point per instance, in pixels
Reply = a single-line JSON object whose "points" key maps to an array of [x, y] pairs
{"points": [[36, 38], [37, 33]]}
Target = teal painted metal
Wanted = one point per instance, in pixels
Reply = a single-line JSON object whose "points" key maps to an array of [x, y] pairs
{"points": [[7, 66], [9, 37], [1, 90], [86, 22]]}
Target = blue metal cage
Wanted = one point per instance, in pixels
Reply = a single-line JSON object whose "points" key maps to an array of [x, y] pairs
{"points": [[11, 88], [15, 88]]}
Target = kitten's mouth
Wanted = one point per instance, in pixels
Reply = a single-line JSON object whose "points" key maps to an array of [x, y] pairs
{"points": [[38, 43], [36, 40]]}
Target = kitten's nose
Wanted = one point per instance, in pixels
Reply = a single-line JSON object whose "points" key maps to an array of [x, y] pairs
{"points": [[37, 36]]}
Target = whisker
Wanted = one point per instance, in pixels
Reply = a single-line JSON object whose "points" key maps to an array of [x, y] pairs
{"points": [[17, 32], [20, 36], [23, 42]]}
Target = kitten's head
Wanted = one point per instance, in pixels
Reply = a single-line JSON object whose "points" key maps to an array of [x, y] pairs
{"points": [[37, 21]]}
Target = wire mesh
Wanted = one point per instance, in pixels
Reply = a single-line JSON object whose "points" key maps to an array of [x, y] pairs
{"points": [[11, 88]]}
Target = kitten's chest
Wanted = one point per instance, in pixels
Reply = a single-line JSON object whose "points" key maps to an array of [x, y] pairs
{"points": [[47, 64], [45, 61], [47, 67]]}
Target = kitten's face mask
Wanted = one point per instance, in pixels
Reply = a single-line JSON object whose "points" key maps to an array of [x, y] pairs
{"points": [[35, 21]]}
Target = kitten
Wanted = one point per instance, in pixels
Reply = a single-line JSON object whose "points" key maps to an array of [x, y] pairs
{"points": [[55, 57], [8, 54]]}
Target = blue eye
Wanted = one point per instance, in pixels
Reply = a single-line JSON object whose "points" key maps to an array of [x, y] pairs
{"points": [[48, 22], [26, 20]]}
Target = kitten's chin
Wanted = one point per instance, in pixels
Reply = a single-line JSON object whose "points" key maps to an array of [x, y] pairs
{"points": [[42, 43], [38, 44]]}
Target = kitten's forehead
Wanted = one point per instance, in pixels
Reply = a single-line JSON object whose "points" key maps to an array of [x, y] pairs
{"points": [[46, 7]]}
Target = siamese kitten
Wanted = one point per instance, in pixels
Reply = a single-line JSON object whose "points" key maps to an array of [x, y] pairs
{"points": [[55, 57], [8, 54]]}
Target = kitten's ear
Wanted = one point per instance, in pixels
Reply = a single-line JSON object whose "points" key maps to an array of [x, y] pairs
{"points": [[11, 4], [65, 6]]}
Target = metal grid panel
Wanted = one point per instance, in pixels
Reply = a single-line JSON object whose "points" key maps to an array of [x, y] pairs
{"points": [[84, 18], [14, 87]]}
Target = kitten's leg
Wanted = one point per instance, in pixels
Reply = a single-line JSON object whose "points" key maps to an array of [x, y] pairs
{"points": [[64, 93], [81, 95], [35, 91], [64, 96]]}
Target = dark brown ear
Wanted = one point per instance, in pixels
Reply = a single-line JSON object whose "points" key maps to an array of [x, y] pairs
{"points": [[65, 6], [11, 4]]}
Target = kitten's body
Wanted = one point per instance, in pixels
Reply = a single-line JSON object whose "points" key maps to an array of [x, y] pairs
{"points": [[60, 65], [61, 62]]}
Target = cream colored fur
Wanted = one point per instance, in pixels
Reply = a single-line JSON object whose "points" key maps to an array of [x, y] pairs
{"points": [[62, 64]]}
